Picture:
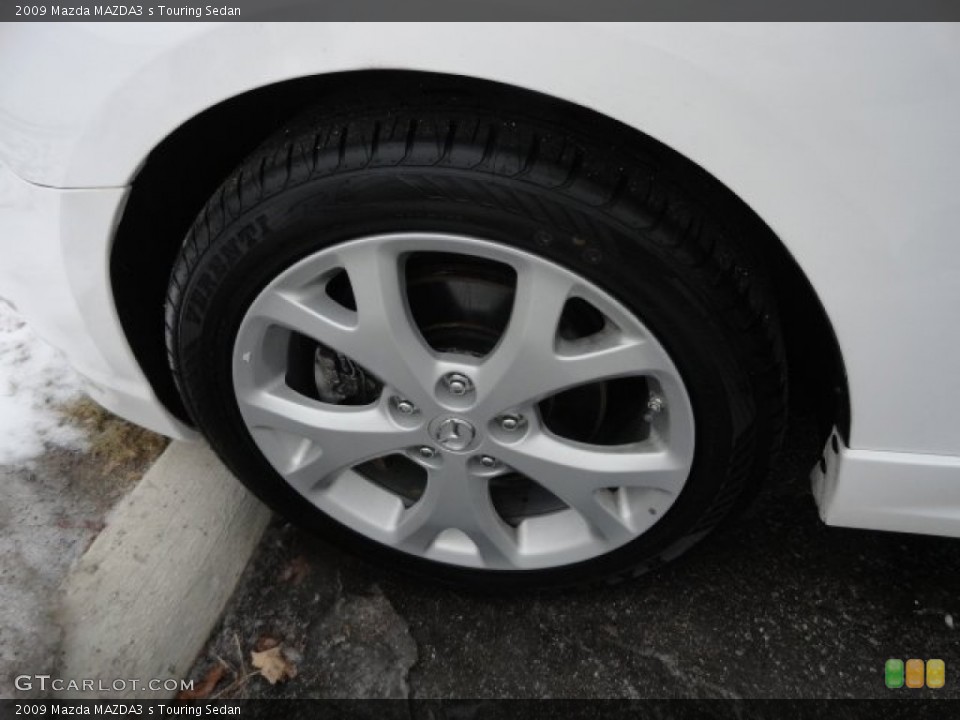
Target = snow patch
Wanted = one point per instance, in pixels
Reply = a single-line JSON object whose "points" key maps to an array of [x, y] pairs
{"points": [[35, 380]]}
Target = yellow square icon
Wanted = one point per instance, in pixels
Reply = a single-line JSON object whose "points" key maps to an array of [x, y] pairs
{"points": [[936, 673], [914, 673]]}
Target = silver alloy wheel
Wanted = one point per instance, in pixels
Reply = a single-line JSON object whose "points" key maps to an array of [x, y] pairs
{"points": [[612, 493]]}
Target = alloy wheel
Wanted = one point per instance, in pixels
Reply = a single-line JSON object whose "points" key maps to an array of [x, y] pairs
{"points": [[467, 421]]}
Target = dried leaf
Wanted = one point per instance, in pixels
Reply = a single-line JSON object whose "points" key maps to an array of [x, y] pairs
{"points": [[295, 570], [265, 642], [273, 665], [205, 687]]}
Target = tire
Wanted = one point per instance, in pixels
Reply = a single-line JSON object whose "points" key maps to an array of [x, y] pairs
{"points": [[613, 212]]}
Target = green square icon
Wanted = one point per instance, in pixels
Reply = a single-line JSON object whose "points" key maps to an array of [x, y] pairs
{"points": [[893, 673]]}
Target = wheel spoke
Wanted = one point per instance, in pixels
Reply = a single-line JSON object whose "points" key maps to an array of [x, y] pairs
{"points": [[339, 437], [530, 363], [455, 498], [381, 335], [389, 343], [575, 472], [527, 343], [319, 318]]}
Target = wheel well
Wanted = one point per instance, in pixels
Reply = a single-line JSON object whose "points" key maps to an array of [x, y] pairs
{"points": [[185, 169]]}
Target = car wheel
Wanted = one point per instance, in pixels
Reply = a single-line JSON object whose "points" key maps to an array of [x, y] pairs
{"points": [[497, 350]]}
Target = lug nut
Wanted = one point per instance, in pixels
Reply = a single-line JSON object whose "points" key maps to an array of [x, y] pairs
{"points": [[427, 452], [457, 384], [405, 407], [488, 461], [510, 422]]}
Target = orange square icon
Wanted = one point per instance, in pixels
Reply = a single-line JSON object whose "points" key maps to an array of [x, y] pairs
{"points": [[936, 673], [914, 673]]}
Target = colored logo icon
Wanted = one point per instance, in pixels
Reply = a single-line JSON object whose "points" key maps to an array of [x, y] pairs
{"points": [[893, 673], [914, 672], [936, 673]]}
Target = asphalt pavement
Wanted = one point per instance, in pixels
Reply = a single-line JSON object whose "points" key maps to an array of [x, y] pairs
{"points": [[776, 605]]}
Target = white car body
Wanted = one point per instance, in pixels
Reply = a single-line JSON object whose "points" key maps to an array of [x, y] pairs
{"points": [[842, 138]]}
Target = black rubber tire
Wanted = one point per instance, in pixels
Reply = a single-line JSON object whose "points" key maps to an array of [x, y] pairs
{"points": [[606, 202]]}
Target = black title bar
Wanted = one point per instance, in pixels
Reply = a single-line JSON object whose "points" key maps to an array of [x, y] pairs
{"points": [[476, 10]]}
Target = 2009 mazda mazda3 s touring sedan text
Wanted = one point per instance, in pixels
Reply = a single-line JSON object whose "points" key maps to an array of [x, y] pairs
{"points": [[504, 305]]}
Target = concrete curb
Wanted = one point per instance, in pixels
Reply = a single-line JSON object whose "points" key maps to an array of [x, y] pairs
{"points": [[143, 599]]}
